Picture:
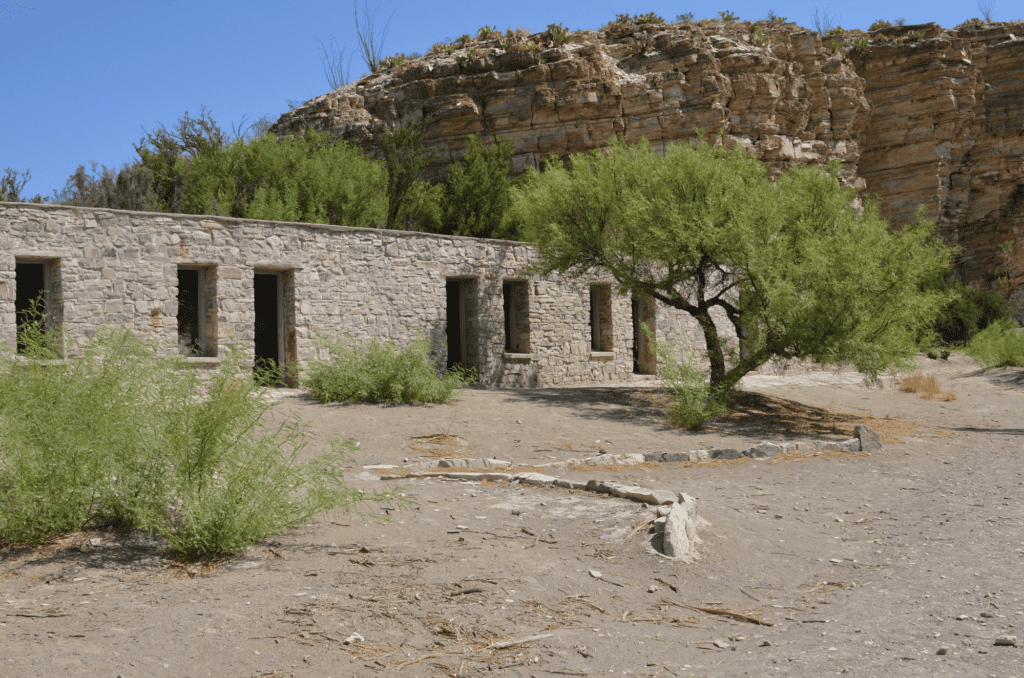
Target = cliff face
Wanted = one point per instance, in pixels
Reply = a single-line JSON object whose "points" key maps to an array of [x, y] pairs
{"points": [[946, 131], [919, 115]]}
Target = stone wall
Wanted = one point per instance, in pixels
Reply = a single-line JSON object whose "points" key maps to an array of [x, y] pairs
{"points": [[118, 267]]}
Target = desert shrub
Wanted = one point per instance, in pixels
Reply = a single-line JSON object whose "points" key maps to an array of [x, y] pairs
{"points": [[686, 18], [478, 195], [926, 386], [648, 18], [557, 34], [691, 401], [487, 32], [728, 17], [970, 312], [774, 20], [392, 61], [880, 24], [378, 371], [121, 436], [1001, 344]]}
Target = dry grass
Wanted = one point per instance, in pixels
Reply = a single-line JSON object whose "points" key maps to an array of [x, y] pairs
{"points": [[927, 387]]}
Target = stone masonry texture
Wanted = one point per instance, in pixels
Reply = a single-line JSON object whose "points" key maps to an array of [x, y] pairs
{"points": [[120, 268]]}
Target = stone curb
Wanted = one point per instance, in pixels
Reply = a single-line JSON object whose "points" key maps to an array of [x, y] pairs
{"points": [[675, 528], [866, 440]]}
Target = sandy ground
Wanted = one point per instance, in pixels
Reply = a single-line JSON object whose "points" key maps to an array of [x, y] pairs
{"points": [[860, 565]]}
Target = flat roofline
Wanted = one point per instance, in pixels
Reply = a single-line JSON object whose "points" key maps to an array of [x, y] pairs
{"points": [[238, 221]]}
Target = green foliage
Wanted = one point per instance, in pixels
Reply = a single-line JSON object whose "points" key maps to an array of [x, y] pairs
{"points": [[837, 31], [914, 36], [423, 208], [690, 401], [774, 20], [441, 48], [557, 34], [465, 40], [860, 46], [379, 371], [313, 178], [11, 187], [488, 32], [392, 61], [969, 312], [879, 25], [649, 18], [756, 36], [792, 262], [123, 437], [728, 17], [479, 193], [404, 161], [685, 18], [132, 188], [1001, 344]]}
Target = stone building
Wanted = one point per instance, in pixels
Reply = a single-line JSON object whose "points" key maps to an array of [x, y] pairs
{"points": [[204, 283]]}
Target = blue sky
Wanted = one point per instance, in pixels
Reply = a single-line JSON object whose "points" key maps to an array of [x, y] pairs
{"points": [[81, 79]]}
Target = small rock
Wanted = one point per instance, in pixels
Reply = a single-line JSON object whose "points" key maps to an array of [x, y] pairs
{"points": [[652, 588], [869, 440], [962, 617], [354, 639], [304, 634], [517, 512], [942, 650], [595, 574], [764, 643], [721, 644], [1006, 641]]}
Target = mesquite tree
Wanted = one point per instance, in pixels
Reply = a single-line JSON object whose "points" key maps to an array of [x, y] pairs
{"points": [[798, 267]]}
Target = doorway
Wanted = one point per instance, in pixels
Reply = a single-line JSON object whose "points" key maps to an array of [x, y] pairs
{"points": [[460, 331], [33, 294], [268, 298]]}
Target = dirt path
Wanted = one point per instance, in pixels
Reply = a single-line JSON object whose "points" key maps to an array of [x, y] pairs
{"points": [[862, 565]]}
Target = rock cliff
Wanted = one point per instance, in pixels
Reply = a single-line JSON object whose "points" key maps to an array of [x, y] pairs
{"points": [[917, 115]]}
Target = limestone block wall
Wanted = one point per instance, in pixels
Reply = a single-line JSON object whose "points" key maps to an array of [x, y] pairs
{"points": [[116, 267]]}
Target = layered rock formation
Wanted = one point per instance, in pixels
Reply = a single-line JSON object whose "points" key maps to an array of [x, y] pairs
{"points": [[947, 131], [917, 115]]}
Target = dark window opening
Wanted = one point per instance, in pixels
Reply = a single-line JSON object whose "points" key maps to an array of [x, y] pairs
{"points": [[30, 295], [600, 318], [190, 311]]}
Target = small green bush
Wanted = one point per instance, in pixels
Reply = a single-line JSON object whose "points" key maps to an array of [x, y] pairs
{"points": [[123, 437], [880, 24], [969, 313], [378, 371], [691, 402], [1001, 344], [728, 17], [557, 34]]}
